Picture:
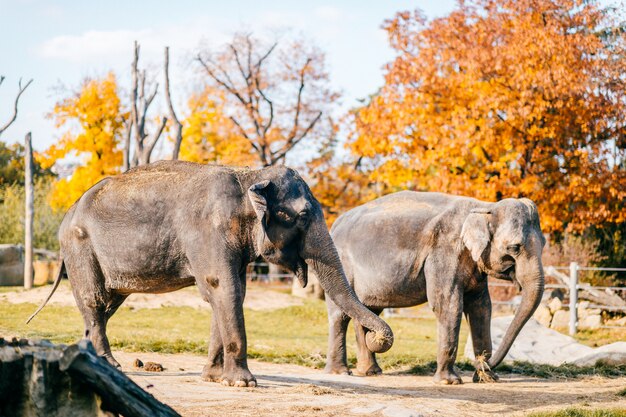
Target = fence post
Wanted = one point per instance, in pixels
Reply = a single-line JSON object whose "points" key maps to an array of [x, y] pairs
{"points": [[28, 215], [573, 298]]}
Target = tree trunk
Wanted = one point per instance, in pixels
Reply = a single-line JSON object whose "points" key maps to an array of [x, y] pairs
{"points": [[40, 379], [28, 218]]}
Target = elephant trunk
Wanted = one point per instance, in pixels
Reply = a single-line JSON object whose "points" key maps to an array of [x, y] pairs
{"points": [[529, 274], [320, 253]]}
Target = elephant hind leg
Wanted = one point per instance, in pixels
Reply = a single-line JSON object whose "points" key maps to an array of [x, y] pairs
{"points": [[336, 359], [366, 360], [95, 303]]}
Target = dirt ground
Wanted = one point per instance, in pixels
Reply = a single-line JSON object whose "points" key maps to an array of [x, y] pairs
{"points": [[257, 298], [290, 390]]}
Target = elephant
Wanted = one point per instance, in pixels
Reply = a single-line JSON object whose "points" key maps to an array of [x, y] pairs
{"points": [[172, 224], [407, 248]]}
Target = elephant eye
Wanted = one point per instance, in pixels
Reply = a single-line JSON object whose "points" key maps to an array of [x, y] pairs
{"points": [[514, 249]]}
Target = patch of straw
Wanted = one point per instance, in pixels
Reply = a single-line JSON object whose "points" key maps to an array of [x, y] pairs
{"points": [[483, 371]]}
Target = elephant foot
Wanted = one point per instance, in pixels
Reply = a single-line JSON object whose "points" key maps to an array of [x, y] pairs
{"points": [[337, 370], [212, 372], [238, 377], [447, 378], [111, 360], [372, 370], [484, 376]]}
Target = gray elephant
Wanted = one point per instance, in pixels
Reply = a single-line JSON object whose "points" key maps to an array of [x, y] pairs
{"points": [[172, 224], [407, 248]]}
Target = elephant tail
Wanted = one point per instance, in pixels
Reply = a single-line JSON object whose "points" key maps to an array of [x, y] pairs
{"points": [[57, 281]]}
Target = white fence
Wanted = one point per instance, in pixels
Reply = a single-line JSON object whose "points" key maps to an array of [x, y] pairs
{"points": [[571, 284]]}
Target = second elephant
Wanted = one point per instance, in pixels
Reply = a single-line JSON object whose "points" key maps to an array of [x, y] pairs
{"points": [[408, 248]]}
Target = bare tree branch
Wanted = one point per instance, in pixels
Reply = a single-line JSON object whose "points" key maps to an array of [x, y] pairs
{"points": [[153, 141], [128, 132], [277, 156], [15, 106], [178, 126]]}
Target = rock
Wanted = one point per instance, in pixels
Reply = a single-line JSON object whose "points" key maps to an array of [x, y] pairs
{"points": [[612, 355], [560, 319], [45, 272], [583, 305], [11, 265], [543, 315], [592, 321], [535, 343], [555, 305], [538, 344]]}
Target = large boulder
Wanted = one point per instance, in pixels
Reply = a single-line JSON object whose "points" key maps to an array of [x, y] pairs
{"points": [[539, 344], [11, 265]]}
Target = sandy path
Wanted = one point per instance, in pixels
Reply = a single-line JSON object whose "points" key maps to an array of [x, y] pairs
{"points": [[290, 390], [257, 298]]}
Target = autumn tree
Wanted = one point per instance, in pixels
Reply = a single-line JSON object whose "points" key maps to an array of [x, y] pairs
{"points": [[276, 95], [511, 98], [93, 118], [210, 136]]}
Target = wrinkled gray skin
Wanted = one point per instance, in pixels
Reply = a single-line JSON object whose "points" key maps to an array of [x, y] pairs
{"points": [[407, 248], [172, 224]]}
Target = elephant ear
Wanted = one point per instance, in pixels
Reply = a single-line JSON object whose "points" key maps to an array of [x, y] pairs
{"points": [[475, 232], [257, 195]]}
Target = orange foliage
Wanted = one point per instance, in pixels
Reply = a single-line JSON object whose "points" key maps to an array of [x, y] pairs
{"points": [[506, 99], [96, 119]]}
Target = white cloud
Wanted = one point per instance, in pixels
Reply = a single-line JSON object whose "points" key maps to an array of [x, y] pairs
{"points": [[91, 46], [113, 48], [329, 13]]}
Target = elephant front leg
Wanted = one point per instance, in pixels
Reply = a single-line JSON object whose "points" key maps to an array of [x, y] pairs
{"points": [[366, 364], [226, 298], [445, 298], [336, 359], [215, 367], [478, 311]]}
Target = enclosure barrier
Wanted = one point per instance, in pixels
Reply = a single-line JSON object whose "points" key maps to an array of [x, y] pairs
{"points": [[572, 285]]}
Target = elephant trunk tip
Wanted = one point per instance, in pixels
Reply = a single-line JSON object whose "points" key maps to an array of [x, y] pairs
{"points": [[379, 341]]}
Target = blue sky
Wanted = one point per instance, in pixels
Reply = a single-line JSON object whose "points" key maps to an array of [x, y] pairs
{"points": [[58, 43]]}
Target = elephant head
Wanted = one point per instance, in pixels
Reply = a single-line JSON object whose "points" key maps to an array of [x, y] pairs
{"points": [[292, 233], [506, 241]]}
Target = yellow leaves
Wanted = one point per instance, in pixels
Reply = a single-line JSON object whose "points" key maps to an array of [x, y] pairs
{"points": [[210, 137], [94, 120]]}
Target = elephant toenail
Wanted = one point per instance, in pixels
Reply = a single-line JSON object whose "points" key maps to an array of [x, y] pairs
{"points": [[240, 383], [252, 384]]}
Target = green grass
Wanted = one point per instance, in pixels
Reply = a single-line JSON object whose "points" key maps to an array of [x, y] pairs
{"points": [[296, 335], [580, 412]]}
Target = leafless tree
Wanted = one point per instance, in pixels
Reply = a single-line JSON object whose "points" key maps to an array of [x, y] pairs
{"points": [[139, 105], [178, 126], [135, 130], [15, 106], [276, 96]]}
